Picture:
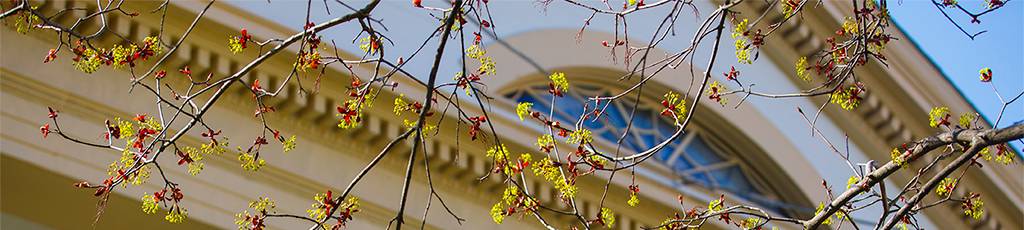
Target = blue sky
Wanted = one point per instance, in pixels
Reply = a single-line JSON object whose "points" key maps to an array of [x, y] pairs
{"points": [[960, 58]]}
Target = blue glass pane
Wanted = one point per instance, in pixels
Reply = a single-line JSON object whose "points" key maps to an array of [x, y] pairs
{"points": [[610, 136], [701, 153], [537, 105], [732, 179], [642, 119], [665, 153], [701, 179], [615, 116], [570, 107]]}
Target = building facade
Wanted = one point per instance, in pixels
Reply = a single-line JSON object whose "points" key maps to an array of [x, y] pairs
{"points": [[754, 153]]}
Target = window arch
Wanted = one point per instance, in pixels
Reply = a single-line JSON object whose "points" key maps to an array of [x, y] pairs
{"points": [[696, 158]]}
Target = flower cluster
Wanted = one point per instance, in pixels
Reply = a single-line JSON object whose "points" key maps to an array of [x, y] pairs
{"points": [[546, 143], [991, 4], [558, 84], [523, 109], [986, 74], [256, 221], [135, 150], [149, 204], [939, 116], [580, 136], [946, 187], [674, 106], [512, 201], [369, 44], [821, 208], [789, 7], [1003, 154], [497, 213], [752, 223], [351, 112], [175, 214], [741, 29], [486, 63], [715, 91], [193, 157], [238, 43], [849, 98], [973, 206], [324, 203], [26, 20], [411, 124], [88, 59], [899, 157], [498, 153], [801, 69], [607, 217], [850, 26], [475, 52], [967, 119], [548, 169], [308, 60], [288, 144], [251, 162], [716, 204], [852, 181], [743, 51], [634, 200]]}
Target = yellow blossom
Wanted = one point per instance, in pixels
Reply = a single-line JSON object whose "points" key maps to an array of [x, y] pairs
{"points": [[898, 158], [523, 110], [497, 213], [850, 25], [498, 153], [475, 52], [821, 208], [580, 136], [486, 66], [966, 119], [742, 51], [149, 205], [937, 116], [369, 44], [633, 200], [235, 45], [89, 62], [176, 216], [847, 99], [852, 181], [249, 162], [675, 105], [801, 69], [559, 81], [974, 207], [946, 187], [262, 204], [607, 217], [741, 28], [288, 144]]}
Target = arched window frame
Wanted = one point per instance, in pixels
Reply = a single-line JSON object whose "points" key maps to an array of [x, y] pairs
{"points": [[766, 176]]}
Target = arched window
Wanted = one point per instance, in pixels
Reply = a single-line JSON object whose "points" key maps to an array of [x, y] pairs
{"points": [[694, 158]]}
